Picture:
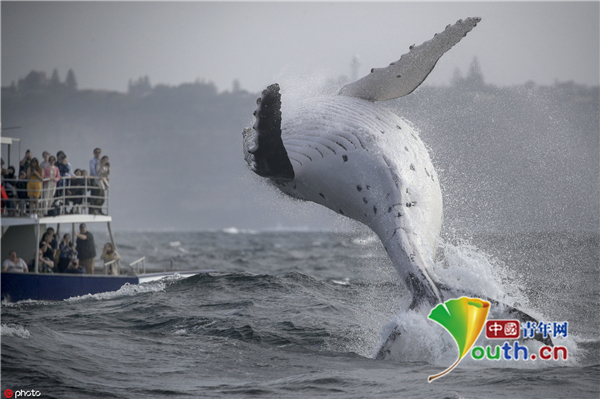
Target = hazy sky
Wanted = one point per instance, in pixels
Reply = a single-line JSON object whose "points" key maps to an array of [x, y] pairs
{"points": [[108, 43]]}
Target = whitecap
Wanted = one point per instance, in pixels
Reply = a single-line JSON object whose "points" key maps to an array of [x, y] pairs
{"points": [[14, 330], [235, 230], [127, 290], [364, 241], [345, 281]]}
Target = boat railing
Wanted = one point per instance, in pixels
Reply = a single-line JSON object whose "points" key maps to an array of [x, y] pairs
{"points": [[140, 263], [113, 267], [70, 195]]}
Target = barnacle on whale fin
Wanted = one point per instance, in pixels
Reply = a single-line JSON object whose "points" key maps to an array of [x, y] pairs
{"points": [[464, 319]]}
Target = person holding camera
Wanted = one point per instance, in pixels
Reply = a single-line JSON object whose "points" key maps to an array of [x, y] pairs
{"points": [[67, 252], [24, 163], [75, 267]]}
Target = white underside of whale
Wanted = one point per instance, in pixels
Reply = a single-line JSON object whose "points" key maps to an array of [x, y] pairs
{"points": [[361, 160]]}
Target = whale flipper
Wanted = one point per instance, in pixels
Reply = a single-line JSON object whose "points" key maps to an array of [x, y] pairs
{"points": [[405, 75], [263, 148]]}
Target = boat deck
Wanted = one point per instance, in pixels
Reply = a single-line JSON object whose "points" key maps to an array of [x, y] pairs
{"points": [[70, 201]]}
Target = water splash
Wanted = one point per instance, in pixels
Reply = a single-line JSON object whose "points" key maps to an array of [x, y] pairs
{"points": [[14, 330], [465, 267]]}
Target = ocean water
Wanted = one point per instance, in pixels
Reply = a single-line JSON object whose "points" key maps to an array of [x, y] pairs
{"points": [[301, 314]]}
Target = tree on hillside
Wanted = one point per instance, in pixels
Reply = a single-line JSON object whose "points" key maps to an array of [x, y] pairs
{"points": [[71, 82], [475, 78], [140, 87], [34, 82], [55, 85]]}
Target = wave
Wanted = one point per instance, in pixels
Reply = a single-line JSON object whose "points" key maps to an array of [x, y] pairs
{"points": [[234, 230], [14, 330], [130, 289]]}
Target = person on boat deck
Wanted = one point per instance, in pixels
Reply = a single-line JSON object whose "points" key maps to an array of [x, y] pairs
{"points": [[86, 248], [14, 264], [4, 198], [61, 162], [46, 247], [51, 178], [46, 161], [76, 190], [94, 192], [35, 175], [25, 162], [53, 241], [9, 177], [67, 252], [89, 182], [94, 162], [108, 255], [7, 195], [66, 173], [9, 182], [21, 186], [75, 267], [103, 172], [45, 265]]}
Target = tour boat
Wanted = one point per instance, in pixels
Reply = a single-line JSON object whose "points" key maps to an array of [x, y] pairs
{"points": [[22, 231]]}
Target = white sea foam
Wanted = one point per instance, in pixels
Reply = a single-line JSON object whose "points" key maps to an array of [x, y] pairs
{"points": [[9, 304], [235, 230], [14, 330], [128, 290], [345, 281], [465, 267], [365, 241]]}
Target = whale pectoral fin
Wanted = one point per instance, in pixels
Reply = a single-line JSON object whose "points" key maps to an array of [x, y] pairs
{"points": [[405, 75], [263, 148]]}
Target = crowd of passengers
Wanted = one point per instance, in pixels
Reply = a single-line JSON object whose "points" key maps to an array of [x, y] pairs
{"points": [[64, 257], [50, 187]]}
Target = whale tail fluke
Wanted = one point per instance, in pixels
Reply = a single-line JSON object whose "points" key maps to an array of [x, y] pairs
{"points": [[405, 75]]}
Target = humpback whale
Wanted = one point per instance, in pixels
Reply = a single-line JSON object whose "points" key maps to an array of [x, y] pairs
{"points": [[351, 154]]}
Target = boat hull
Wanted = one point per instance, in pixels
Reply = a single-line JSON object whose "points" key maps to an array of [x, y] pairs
{"points": [[57, 287]]}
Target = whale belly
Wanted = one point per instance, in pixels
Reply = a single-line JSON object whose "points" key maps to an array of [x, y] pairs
{"points": [[363, 161]]}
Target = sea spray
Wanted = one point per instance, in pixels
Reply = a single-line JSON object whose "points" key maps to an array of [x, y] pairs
{"points": [[14, 330], [463, 266]]}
